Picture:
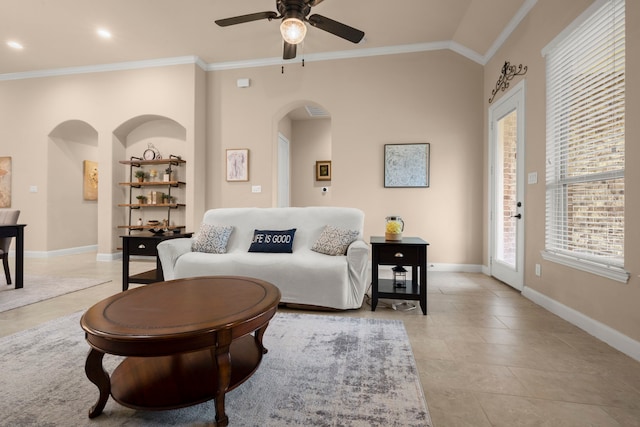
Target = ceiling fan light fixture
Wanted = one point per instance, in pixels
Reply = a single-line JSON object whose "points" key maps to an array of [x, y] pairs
{"points": [[293, 30]]}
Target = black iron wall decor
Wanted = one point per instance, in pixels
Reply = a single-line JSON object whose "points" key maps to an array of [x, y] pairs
{"points": [[508, 73]]}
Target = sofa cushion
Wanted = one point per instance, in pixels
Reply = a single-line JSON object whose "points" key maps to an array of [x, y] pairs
{"points": [[334, 241], [273, 241], [211, 239]]}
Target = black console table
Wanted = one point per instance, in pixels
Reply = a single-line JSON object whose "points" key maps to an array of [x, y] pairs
{"points": [[410, 251], [145, 245], [17, 231]]}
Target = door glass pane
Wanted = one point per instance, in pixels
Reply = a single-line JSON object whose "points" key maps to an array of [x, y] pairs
{"points": [[506, 187]]}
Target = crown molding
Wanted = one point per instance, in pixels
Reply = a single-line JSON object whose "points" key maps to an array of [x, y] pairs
{"points": [[511, 26], [265, 62], [118, 66], [350, 54]]}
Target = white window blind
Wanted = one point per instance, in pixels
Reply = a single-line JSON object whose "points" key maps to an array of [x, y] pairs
{"points": [[586, 139]]}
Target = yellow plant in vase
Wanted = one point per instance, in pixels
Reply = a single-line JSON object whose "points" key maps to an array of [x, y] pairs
{"points": [[393, 228]]}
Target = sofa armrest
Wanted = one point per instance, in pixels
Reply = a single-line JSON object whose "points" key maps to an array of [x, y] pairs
{"points": [[169, 251], [358, 263]]}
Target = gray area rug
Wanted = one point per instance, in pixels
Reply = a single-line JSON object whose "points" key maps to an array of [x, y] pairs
{"points": [[39, 288], [319, 371]]}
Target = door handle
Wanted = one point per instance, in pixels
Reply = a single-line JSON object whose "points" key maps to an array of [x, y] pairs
{"points": [[519, 216]]}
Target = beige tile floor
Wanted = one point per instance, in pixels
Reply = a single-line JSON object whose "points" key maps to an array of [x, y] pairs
{"points": [[486, 355]]}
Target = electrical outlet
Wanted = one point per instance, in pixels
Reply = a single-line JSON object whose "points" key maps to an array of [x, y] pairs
{"points": [[538, 270]]}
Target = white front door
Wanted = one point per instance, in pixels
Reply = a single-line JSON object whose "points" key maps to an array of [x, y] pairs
{"points": [[506, 145]]}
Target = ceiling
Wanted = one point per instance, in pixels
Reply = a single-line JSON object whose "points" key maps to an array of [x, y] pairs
{"points": [[59, 34]]}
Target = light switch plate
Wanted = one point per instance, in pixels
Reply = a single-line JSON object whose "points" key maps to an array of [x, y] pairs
{"points": [[533, 178], [256, 189]]}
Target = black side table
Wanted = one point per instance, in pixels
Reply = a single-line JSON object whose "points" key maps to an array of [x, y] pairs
{"points": [[410, 251], [144, 244]]}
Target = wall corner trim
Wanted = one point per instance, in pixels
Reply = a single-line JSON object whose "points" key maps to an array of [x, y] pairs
{"points": [[605, 333]]}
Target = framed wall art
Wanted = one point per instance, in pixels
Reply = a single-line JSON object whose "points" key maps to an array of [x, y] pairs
{"points": [[5, 182], [90, 180], [406, 165], [323, 170], [238, 164]]}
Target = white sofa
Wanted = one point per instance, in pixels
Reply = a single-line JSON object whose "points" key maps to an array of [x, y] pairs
{"points": [[304, 276]]}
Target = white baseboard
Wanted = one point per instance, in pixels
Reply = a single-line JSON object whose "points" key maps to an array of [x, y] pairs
{"points": [[109, 257], [605, 333], [73, 251], [458, 268], [61, 252]]}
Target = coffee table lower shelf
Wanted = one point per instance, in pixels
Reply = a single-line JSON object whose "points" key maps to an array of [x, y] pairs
{"points": [[180, 380]]}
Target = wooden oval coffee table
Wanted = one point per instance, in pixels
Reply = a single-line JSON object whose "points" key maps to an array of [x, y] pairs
{"points": [[186, 341]]}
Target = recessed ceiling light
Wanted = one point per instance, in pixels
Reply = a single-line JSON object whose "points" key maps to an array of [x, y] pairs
{"points": [[14, 45], [105, 34]]}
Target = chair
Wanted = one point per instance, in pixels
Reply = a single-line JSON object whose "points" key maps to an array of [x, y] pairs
{"points": [[7, 217]]}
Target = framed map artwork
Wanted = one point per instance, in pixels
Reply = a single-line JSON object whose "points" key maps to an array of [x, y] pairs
{"points": [[406, 165]]}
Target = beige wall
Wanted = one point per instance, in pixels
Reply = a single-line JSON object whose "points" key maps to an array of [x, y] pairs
{"points": [[609, 302], [411, 98], [111, 103]]}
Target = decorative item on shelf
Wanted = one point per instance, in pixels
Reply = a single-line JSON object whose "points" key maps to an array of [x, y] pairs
{"points": [[151, 153], [394, 227], [153, 174], [141, 199], [140, 222], [399, 276], [140, 174], [167, 175]]}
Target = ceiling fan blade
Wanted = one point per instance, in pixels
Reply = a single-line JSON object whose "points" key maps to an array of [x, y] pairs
{"points": [[314, 2], [337, 28], [246, 18], [289, 51]]}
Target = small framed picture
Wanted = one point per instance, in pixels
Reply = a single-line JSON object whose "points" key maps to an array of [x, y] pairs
{"points": [[238, 164], [323, 170]]}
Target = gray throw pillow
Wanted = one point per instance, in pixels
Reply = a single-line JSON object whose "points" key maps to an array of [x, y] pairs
{"points": [[211, 239], [334, 241]]}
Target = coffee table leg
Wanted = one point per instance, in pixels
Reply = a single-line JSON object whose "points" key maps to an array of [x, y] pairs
{"points": [[97, 375], [258, 337], [222, 359]]}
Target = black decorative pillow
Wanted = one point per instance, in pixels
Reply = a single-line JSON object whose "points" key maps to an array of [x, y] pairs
{"points": [[211, 239], [334, 241], [280, 241]]}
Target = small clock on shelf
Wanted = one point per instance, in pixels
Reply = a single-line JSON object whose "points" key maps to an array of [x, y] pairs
{"points": [[151, 153]]}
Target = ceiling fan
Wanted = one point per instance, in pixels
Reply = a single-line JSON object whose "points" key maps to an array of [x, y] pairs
{"points": [[294, 15]]}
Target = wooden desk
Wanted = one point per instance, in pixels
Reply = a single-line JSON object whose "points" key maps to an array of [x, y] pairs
{"points": [[17, 231], [186, 341]]}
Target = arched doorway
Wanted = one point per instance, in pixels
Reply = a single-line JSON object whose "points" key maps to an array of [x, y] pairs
{"points": [[306, 126], [72, 193]]}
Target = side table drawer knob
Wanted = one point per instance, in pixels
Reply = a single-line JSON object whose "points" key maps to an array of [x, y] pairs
{"points": [[141, 246], [399, 255]]}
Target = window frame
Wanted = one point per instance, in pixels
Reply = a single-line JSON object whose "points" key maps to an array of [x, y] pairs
{"points": [[558, 179]]}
